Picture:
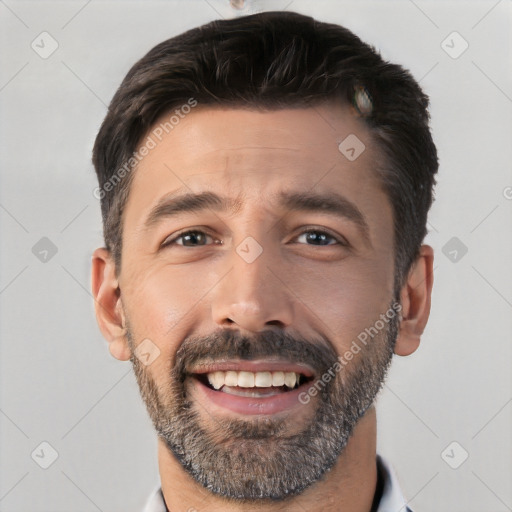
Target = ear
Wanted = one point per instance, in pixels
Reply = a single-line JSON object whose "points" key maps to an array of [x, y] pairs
{"points": [[415, 299], [107, 304]]}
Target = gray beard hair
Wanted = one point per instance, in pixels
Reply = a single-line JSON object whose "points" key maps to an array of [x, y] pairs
{"points": [[256, 459]]}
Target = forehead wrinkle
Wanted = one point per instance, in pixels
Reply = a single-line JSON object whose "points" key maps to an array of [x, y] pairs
{"points": [[239, 148]]}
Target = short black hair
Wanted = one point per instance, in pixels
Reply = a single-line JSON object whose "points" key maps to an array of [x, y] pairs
{"points": [[274, 60]]}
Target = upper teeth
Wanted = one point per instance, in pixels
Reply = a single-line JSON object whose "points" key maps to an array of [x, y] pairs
{"points": [[252, 379]]}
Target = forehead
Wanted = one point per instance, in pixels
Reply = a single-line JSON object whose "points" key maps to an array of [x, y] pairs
{"points": [[249, 153]]}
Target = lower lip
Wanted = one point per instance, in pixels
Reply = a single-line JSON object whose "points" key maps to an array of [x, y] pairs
{"points": [[251, 405]]}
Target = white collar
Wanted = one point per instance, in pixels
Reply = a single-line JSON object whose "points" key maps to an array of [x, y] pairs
{"points": [[392, 499]]}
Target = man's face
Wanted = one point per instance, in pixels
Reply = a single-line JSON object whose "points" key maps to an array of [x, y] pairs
{"points": [[258, 293]]}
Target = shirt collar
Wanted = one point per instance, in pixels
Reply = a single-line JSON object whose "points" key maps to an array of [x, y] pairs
{"points": [[392, 499]]}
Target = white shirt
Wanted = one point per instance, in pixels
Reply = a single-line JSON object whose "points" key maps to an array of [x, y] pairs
{"points": [[392, 499]]}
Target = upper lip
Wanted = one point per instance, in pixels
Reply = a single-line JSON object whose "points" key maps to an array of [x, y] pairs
{"points": [[260, 365]]}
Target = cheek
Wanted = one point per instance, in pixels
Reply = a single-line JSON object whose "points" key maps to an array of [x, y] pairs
{"points": [[160, 296], [349, 298], [158, 305]]}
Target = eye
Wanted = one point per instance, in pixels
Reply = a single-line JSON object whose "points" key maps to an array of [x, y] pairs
{"points": [[320, 237], [191, 238], [198, 238]]}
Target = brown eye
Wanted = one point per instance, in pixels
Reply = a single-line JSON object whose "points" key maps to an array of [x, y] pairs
{"points": [[192, 238]]}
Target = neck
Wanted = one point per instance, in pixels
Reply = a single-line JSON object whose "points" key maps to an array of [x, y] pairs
{"points": [[348, 487]]}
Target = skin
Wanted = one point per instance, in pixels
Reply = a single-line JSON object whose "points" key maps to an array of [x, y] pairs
{"points": [[332, 291]]}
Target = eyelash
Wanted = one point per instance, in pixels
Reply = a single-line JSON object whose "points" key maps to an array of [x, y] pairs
{"points": [[339, 241]]}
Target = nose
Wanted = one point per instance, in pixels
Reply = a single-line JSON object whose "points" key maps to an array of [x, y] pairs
{"points": [[253, 295]]}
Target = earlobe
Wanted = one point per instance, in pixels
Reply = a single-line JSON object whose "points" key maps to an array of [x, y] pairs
{"points": [[119, 349], [108, 305], [415, 299]]}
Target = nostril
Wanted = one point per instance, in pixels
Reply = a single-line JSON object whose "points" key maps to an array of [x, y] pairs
{"points": [[277, 323]]}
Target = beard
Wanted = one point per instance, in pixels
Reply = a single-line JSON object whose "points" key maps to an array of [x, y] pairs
{"points": [[258, 458]]}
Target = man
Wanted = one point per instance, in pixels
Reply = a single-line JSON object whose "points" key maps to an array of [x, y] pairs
{"points": [[265, 183]]}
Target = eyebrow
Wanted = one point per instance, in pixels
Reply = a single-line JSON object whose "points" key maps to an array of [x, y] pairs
{"points": [[172, 205]]}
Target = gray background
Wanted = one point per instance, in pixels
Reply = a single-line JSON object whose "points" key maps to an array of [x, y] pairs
{"points": [[59, 383]]}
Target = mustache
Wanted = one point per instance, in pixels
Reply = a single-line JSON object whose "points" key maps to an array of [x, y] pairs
{"points": [[319, 354]]}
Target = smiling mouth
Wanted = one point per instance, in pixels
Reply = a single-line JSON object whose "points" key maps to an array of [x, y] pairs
{"points": [[253, 384], [250, 387]]}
